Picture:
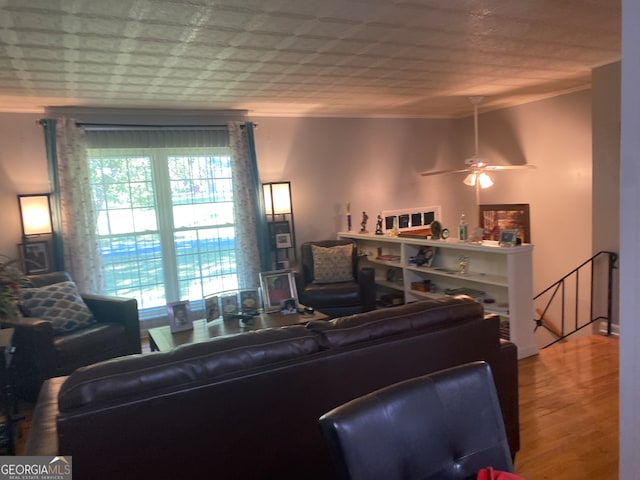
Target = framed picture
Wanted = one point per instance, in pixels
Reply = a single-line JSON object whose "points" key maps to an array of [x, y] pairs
{"points": [[35, 257], [229, 304], [282, 264], [277, 285], [211, 307], [283, 240], [410, 218], [494, 218], [180, 316], [249, 300], [288, 306], [508, 238]]}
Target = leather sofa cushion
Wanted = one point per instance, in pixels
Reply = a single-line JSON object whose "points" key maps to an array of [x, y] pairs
{"points": [[397, 320], [185, 366], [332, 294], [98, 342]]}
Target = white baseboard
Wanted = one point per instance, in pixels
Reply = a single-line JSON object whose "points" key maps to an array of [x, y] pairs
{"points": [[615, 329]]}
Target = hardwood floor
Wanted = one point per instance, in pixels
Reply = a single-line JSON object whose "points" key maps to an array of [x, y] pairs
{"points": [[569, 411]]}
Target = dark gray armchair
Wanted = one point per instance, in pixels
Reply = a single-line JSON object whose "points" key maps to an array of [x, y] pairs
{"points": [[41, 354], [340, 298]]}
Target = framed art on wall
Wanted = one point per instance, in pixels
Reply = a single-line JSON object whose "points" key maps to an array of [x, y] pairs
{"points": [[409, 219]]}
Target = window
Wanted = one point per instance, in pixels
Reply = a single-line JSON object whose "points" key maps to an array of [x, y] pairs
{"points": [[165, 217]]}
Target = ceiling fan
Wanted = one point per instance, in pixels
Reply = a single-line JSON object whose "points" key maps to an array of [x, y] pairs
{"points": [[476, 166]]}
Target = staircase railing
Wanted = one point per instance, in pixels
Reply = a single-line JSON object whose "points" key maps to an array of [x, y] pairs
{"points": [[572, 325]]}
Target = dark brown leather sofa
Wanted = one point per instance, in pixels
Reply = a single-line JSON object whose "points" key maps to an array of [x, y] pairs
{"points": [[247, 406], [40, 354]]}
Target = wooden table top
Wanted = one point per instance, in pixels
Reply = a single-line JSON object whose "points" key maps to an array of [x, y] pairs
{"points": [[161, 339]]}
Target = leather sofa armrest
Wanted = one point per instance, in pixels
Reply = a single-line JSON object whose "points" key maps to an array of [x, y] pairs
{"points": [[117, 310], [43, 433], [367, 282], [505, 372], [35, 353]]}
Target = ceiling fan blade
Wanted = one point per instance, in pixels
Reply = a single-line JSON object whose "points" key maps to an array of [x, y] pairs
{"points": [[444, 172], [507, 167]]}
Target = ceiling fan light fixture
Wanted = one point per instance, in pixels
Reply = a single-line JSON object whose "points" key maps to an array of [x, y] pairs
{"points": [[485, 180], [470, 179]]}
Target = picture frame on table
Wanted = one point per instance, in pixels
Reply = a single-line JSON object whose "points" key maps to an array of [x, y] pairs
{"points": [[36, 257], [211, 307], [249, 300], [229, 304], [508, 238], [498, 217], [277, 285], [180, 316], [289, 306]]}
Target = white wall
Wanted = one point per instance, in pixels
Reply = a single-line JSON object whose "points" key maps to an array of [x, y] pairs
{"points": [[23, 169], [371, 163], [629, 242], [606, 177]]}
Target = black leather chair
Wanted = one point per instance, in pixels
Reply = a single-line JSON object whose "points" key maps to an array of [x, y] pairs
{"points": [[335, 299], [41, 354], [443, 426]]}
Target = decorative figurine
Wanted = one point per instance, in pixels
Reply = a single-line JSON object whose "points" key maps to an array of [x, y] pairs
{"points": [[363, 224], [394, 230], [379, 225]]}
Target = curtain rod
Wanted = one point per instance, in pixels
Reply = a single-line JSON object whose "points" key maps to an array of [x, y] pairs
{"points": [[116, 126], [125, 126]]}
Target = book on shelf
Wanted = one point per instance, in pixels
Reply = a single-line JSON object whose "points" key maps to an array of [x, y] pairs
{"points": [[423, 234]]}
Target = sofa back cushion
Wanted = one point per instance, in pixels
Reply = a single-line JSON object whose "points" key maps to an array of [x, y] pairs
{"points": [[184, 366], [397, 320]]}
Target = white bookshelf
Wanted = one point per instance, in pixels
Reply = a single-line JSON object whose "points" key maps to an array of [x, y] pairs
{"points": [[499, 277]]}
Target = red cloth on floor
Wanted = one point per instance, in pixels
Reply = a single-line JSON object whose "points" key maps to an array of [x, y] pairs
{"points": [[490, 474]]}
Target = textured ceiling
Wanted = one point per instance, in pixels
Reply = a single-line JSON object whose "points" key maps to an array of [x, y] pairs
{"points": [[313, 57]]}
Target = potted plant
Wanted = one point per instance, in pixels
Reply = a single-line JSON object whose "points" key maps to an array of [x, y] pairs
{"points": [[11, 280]]}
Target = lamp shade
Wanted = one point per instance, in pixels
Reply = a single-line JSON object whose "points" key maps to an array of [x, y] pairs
{"points": [[277, 198], [35, 214], [482, 178]]}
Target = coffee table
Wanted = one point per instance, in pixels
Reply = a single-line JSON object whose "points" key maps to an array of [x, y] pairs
{"points": [[161, 339]]}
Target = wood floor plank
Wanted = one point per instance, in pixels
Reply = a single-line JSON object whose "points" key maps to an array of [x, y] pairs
{"points": [[569, 411]]}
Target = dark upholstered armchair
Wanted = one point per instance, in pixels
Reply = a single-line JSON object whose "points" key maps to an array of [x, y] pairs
{"points": [[40, 353], [337, 287], [442, 426]]}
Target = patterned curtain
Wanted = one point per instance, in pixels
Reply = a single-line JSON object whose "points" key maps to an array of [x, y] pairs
{"points": [[78, 216], [252, 241]]}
